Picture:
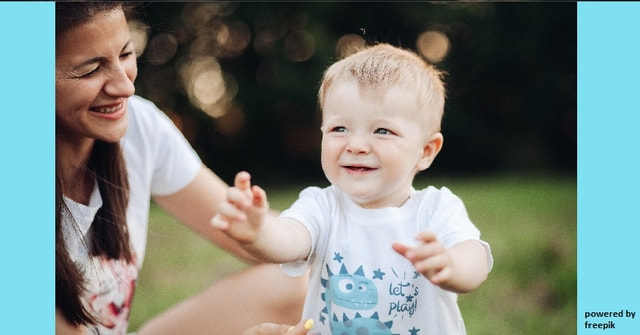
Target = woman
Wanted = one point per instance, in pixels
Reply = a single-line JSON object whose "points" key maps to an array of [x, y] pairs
{"points": [[114, 152]]}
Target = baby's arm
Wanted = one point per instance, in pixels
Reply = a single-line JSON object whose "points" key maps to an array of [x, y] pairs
{"points": [[460, 269], [244, 217]]}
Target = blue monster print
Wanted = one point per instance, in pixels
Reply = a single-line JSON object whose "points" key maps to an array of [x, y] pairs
{"points": [[352, 291], [360, 326]]}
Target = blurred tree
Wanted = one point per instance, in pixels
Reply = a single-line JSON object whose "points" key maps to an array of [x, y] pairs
{"points": [[240, 78]]}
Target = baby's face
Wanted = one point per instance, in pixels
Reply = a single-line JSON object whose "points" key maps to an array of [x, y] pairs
{"points": [[372, 146]]}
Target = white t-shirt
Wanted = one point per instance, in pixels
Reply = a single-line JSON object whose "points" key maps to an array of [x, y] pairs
{"points": [[159, 161], [358, 281]]}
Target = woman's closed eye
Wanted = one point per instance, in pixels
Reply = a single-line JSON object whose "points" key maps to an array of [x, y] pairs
{"points": [[99, 64], [88, 67], [126, 54], [91, 72], [127, 50]]}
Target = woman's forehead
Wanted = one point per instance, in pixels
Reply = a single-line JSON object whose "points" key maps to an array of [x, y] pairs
{"points": [[108, 29]]}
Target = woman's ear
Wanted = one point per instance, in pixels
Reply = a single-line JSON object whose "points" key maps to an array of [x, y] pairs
{"points": [[430, 151]]}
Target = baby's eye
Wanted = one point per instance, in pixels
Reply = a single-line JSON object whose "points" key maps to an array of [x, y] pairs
{"points": [[338, 129], [383, 131]]}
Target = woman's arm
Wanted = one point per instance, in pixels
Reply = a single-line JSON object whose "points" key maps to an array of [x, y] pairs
{"points": [[256, 295], [63, 327]]}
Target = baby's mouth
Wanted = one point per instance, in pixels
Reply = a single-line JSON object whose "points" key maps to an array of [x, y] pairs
{"points": [[358, 168]]}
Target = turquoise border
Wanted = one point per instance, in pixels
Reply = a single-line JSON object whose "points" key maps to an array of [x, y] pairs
{"points": [[608, 124], [608, 164], [27, 176]]}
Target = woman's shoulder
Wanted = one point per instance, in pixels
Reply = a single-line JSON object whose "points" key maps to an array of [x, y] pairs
{"points": [[153, 144], [143, 109], [146, 119], [140, 102]]}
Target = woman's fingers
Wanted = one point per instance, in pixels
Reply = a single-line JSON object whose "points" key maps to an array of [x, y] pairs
{"points": [[301, 328]]}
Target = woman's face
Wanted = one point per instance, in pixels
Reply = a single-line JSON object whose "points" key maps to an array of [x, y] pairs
{"points": [[95, 70]]}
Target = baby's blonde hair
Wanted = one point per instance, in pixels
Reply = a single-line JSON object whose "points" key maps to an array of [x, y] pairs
{"points": [[379, 67]]}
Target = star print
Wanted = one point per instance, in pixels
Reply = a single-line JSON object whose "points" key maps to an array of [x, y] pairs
{"points": [[416, 274], [378, 274], [337, 257], [414, 331], [409, 298]]}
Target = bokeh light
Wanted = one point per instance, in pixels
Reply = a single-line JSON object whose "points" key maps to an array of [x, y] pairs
{"points": [[269, 26], [433, 45], [237, 40], [348, 44], [162, 47], [231, 123], [205, 84], [299, 46], [139, 35]]}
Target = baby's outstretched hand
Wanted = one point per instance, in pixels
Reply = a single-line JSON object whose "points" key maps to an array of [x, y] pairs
{"points": [[429, 257], [243, 212]]}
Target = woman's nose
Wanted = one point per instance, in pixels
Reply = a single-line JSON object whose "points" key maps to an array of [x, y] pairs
{"points": [[120, 84]]}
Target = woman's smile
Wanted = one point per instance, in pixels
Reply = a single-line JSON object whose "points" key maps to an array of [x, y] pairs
{"points": [[110, 112]]}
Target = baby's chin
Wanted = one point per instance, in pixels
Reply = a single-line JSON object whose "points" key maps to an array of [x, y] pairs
{"points": [[369, 202], [375, 200]]}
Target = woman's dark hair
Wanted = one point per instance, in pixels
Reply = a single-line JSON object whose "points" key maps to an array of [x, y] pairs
{"points": [[70, 14], [108, 235]]}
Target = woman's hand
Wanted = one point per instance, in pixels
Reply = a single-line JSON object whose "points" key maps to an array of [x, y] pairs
{"points": [[274, 329]]}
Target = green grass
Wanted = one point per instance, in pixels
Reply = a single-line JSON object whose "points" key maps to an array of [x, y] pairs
{"points": [[530, 222]]}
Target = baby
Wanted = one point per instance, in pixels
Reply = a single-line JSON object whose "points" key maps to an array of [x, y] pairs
{"points": [[385, 258]]}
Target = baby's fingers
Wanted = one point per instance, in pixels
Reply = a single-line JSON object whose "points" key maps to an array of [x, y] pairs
{"points": [[243, 181], [238, 198], [438, 277], [400, 248], [259, 197], [426, 236], [228, 212], [431, 264], [219, 222]]}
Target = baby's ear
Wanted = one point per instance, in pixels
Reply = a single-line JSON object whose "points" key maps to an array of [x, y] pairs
{"points": [[430, 151]]}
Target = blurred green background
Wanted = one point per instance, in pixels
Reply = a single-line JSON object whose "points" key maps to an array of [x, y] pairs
{"points": [[240, 81]]}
